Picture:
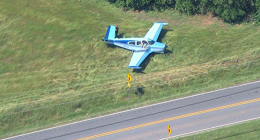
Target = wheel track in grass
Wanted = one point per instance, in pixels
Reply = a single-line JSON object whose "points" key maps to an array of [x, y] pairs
{"points": [[167, 81], [123, 85], [120, 81]]}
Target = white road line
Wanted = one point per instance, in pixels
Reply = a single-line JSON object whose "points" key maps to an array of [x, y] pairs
{"points": [[200, 94], [208, 129]]}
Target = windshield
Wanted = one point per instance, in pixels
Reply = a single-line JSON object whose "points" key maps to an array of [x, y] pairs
{"points": [[150, 41]]}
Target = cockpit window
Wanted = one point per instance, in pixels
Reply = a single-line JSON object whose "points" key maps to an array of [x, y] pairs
{"points": [[150, 41], [145, 44]]}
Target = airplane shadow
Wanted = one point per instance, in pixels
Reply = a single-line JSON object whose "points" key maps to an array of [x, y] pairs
{"points": [[162, 34], [144, 64], [146, 61], [167, 52], [120, 35], [111, 46]]}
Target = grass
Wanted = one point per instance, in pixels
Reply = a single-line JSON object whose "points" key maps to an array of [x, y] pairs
{"points": [[246, 131], [55, 69]]}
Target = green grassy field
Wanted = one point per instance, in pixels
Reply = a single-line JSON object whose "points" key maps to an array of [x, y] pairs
{"points": [[244, 131], [55, 69]]}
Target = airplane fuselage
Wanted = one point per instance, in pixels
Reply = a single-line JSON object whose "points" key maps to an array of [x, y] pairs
{"points": [[138, 44]]}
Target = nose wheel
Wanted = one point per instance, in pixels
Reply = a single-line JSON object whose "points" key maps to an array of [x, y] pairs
{"points": [[164, 50]]}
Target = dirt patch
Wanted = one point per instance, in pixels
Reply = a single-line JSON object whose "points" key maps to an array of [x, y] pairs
{"points": [[206, 20], [209, 19]]}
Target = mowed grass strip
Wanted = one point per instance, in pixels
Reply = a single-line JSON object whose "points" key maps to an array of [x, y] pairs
{"points": [[246, 131], [55, 69]]}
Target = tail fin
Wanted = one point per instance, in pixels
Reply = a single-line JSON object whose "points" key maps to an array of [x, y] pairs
{"points": [[110, 32]]}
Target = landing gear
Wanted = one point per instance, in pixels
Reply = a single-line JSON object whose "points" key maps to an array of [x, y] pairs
{"points": [[164, 51]]}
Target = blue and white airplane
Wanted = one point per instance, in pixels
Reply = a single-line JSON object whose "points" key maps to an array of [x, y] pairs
{"points": [[141, 47]]}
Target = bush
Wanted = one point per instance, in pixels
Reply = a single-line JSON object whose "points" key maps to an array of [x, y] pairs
{"points": [[229, 10], [257, 14], [144, 4], [187, 6], [257, 17]]}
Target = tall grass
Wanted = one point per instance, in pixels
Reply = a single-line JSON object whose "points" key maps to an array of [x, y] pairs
{"points": [[54, 68]]}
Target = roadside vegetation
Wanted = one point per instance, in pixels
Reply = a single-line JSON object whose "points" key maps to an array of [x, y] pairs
{"points": [[55, 69], [243, 131], [232, 11]]}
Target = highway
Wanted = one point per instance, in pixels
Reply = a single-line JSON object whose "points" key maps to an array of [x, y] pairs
{"points": [[186, 115]]}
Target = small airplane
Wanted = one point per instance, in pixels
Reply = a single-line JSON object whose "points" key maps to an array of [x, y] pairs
{"points": [[141, 47]]}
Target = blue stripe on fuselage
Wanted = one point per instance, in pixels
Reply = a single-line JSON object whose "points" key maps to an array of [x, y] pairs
{"points": [[123, 41]]}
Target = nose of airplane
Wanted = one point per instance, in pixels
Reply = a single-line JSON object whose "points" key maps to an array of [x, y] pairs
{"points": [[165, 48]]}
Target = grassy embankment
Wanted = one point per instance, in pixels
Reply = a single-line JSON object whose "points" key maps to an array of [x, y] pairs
{"points": [[244, 131], [54, 68]]}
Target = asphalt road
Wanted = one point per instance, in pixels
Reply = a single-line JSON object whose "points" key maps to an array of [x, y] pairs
{"points": [[186, 115]]}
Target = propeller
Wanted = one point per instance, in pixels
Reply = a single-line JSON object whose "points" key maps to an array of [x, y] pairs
{"points": [[164, 49]]}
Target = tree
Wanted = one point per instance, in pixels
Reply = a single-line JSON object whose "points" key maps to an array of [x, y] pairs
{"points": [[229, 10], [257, 14]]}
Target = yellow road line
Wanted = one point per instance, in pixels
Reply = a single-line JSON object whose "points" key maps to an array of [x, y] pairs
{"points": [[170, 119]]}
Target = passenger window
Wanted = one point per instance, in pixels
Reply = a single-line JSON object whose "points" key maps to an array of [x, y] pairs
{"points": [[131, 43], [139, 43]]}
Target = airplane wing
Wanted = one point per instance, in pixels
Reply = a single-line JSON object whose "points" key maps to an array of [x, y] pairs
{"points": [[155, 31], [138, 57]]}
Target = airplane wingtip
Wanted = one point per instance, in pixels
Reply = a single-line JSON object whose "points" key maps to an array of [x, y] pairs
{"points": [[134, 67], [164, 23]]}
